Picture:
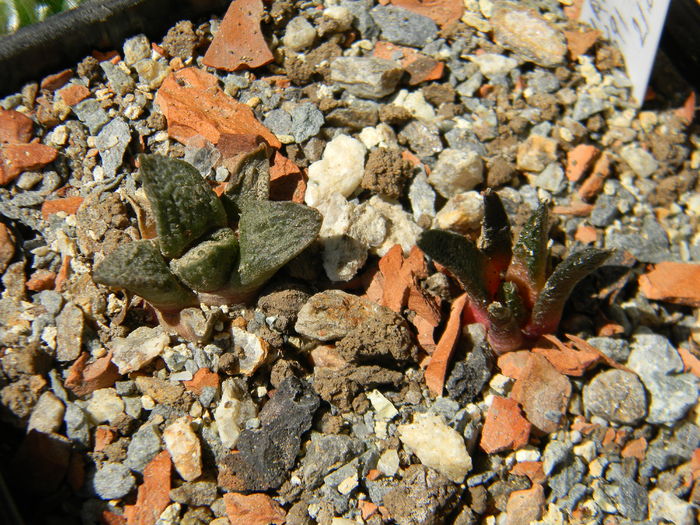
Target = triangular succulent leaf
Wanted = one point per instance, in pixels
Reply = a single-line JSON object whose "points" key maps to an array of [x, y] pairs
{"points": [[271, 234], [208, 266], [549, 307], [496, 241], [461, 257], [184, 206], [140, 268], [528, 265], [251, 176]]}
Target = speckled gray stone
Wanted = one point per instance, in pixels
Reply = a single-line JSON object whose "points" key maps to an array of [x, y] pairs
{"points": [[113, 481], [143, 447], [658, 365], [616, 396], [403, 27], [366, 77]]}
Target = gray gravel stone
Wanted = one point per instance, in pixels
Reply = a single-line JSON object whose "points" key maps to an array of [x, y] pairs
{"points": [[113, 481], [670, 449], [143, 447], [456, 171], [279, 122], [604, 212], [556, 453], [586, 106], [667, 506], [616, 396], [90, 113], [298, 34], [77, 425], [403, 27], [617, 349], [648, 243], [423, 139], [629, 497], [566, 478], [641, 161], [112, 143], [366, 77], [657, 363], [325, 452], [119, 81], [306, 121]]}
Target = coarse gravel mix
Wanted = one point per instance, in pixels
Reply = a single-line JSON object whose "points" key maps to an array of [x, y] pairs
{"points": [[310, 404]]}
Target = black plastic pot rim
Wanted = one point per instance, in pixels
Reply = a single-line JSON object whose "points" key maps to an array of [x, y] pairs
{"points": [[64, 39]]}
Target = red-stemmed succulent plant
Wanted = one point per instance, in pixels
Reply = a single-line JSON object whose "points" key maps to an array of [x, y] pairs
{"points": [[509, 287]]}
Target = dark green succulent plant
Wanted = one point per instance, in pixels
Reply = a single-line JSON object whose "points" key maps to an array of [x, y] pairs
{"points": [[209, 249], [509, 287]]}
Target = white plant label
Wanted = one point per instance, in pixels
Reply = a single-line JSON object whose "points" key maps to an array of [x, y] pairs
{"points": [[635, 26]]}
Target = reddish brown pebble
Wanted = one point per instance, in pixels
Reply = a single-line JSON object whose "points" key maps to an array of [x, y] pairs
{"points": [[505, 427], [368, 509], [543, 393], [424, 304], [73, 94], [110, 518], [287, 182], [202, 378], [239, 43], [395, 293], [567, 360], [103, 437], [14, 126], [253, 509], [7, 247], [194, 106], [579, 160], [594, 183], [69, 205], [690, 362], [442, 12], [672, 282], [525, 506], [579, 42], [85, 378], [63, 272], [425, 334], [16, 158], [420, 67], [512, 364], [154, 493], [635, 449], [41, 280], [57, 80], [531, 469], [440, 360], [586, 234]]}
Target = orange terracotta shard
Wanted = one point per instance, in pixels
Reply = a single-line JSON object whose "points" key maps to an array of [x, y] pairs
{"points": [[396, 282], [579, 42], [154, 493], [565, 359], [15, 127], [85, 378], [73, 94], [690, 362], [442, 12], [543, 393], [69, 205], [531, 469], [672, 282], [202, 378], [254, 509], [194, 106], [420, 67], [239, 43], [594, 183], [287, 181], [579, 160], [17, 158], [436, 371], [505, 427]]}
